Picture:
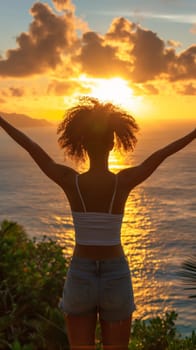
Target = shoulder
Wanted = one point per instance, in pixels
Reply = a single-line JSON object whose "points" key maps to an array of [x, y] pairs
{"points": [[130, 177], [63, 175]]}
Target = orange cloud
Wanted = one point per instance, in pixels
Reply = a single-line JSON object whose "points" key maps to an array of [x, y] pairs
{"points": [[98, 58], [150, 55], [63, 5], [188, 89], [183, 66], [67, 87], [41, 48], [134, 53], [193, 29], [121, 30], [127, 50], [14, 91], [174, 43], [2, 100], [151, 89]]}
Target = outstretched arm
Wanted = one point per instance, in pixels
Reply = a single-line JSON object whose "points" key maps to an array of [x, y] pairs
{"points": [[136, 175], [54, 171]]}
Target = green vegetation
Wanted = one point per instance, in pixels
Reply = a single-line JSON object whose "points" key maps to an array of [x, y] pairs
{"points": [[160, 334], [31, 281], [32, 276]]}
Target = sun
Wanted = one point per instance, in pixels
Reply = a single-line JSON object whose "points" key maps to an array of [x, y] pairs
{"points": [[115, 90]]}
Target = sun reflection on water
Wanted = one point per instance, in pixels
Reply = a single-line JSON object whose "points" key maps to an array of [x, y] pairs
{"points": [[142, 250], [65, 234], [141, 247], [117, 161]]}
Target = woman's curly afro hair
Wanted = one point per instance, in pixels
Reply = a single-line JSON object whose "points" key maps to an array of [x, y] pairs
{"points": [[93, 121]]}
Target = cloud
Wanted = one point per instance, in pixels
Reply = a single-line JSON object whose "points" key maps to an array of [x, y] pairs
{"points": [[177, 18], [188, 89], [135, 53], [151, 89], [41, 48], [68, 87], [13, 91], [121, 28], [174, 43], [150, 55], [138, 15], [2, 100], [128, 50], [17, 92], [99, 59], [63, 5], [166, 17], [193, 29], [183, 66], [68, 6]]}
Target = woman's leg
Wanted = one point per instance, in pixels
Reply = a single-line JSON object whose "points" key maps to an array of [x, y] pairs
{"points": [[116, 334], [81, 331]]}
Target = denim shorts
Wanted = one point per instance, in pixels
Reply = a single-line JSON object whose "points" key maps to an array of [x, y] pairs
{"points": [[101, 286]]}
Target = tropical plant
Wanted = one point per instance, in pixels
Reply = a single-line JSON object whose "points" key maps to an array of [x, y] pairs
{"points": [[189, 275]]}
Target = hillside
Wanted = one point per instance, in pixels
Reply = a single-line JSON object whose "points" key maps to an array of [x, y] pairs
{"points": [[21, 120]]}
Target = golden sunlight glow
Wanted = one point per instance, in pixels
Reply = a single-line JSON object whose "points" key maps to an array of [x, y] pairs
{"points": [[115, 162], [115, 90], [118, 161]]}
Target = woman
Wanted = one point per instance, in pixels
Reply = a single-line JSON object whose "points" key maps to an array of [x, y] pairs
{"points": [[98, 283]]}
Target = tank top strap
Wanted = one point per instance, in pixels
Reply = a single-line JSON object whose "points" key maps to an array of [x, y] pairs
{"points": [[114, 194], [80, 194]]}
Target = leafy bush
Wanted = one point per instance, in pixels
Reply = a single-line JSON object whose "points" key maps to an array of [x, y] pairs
{"points": [[32, 275], [160, 334]]}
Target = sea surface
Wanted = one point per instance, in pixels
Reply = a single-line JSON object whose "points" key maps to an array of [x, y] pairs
{"points": [[159, 227]]}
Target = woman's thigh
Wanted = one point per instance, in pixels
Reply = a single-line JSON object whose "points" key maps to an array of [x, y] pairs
{"points": [[116, 334], [81, 330]]}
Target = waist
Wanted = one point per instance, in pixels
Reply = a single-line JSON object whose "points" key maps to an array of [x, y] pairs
{"points": [[80, 266], [98, 252]]}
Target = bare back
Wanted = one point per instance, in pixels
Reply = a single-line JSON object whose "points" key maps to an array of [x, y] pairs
{"points": [[97, 190]]}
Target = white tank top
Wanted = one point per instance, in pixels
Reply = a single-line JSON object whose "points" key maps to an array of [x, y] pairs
{"points": [[96, 228]]}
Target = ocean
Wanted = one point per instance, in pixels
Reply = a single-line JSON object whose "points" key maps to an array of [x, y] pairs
{"points": [[159, 227]]}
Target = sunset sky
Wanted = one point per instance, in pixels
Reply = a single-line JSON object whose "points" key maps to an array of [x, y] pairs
{"points": [[140, 54]]}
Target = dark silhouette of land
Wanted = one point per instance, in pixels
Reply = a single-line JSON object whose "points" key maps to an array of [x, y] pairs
{"points": [[22, 120]]}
